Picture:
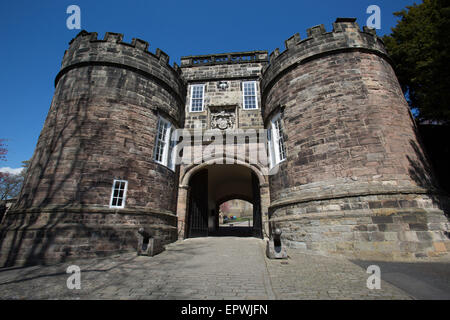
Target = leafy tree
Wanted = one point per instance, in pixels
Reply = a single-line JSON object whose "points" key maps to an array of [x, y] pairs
{"points": [[420, 47]]}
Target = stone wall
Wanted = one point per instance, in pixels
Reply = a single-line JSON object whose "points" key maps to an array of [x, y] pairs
{"points": [[369, 227], [229, 70]]}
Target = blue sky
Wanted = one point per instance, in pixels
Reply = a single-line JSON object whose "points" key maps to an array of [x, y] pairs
{"points": [[34, 37]]}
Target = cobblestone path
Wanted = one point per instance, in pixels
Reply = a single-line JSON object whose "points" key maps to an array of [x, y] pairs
{"points": [[200, 268]]}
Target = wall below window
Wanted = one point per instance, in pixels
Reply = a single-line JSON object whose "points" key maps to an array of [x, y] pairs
{"points": [[59, 235], [438, 150]]}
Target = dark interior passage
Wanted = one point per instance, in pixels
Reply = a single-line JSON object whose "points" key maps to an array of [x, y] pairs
{"points": [[214, 185]]}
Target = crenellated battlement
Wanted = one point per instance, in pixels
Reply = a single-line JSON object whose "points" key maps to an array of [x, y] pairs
{"points": [[117, 38], [346, 35], [86, 49]]}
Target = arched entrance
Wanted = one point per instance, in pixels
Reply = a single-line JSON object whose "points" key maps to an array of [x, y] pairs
{"points": [[204, 187], [235, 218]]}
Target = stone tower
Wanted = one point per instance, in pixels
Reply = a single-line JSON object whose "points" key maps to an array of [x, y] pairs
{"points": [[346, 175], [100, 128], [355, 180]]}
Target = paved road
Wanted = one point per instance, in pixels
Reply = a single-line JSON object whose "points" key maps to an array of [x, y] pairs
{"points": [[422, 280], [200, 268]]}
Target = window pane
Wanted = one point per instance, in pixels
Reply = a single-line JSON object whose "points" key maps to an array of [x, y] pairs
{"points": [[197, 98], [161, 139], [170, 155], [118, 193], [281, 147], [163, 145], [249, 91]]}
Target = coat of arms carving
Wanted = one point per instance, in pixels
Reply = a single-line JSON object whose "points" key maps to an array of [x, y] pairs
{"points": [[223, 120]]}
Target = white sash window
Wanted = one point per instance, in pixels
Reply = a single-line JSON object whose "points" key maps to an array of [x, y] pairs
{"points": [[275, 141], [197, 97], [250, 100], [118, 194], [164, 147]]}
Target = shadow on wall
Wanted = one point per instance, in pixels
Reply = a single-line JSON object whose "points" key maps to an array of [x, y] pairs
{"points": [[426, 167], [438, 150], [50, 171]]}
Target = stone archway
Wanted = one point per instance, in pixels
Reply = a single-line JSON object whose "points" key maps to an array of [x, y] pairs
{"points": [[237, 180]]}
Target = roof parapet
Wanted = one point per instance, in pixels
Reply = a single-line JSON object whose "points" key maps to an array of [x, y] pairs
{"points": [[117, 38], [292, 41], [346, 35], [344, 24], [316, 31], [275, 53], [113, 37], [162, 56], [140, 44], [370, 30], [224, 58]]}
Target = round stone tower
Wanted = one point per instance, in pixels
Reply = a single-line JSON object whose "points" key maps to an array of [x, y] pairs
{"points": [[355, 180], [100, 130]]}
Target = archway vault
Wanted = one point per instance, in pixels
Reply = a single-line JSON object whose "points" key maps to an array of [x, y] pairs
{"points": [[238, 180], [187, 171]]}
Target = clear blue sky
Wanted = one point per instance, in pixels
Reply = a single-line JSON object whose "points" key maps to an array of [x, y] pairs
{"points": [[34, 37]]}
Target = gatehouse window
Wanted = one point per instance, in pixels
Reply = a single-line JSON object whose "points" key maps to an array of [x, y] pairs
{"points": [[164, 147], [249, 95], [197, 97], [118, 194], [275, 141]]}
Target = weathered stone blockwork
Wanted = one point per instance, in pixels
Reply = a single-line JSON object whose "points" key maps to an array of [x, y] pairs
{"points": [[229, 70], [63, 234], [376, 227]]}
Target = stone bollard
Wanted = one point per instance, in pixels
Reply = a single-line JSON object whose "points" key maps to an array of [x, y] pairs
{"points": [[147, 245], [275, 248]]}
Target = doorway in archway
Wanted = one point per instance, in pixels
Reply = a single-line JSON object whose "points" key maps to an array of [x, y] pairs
{"points": [[214, 185], [235, 218]]}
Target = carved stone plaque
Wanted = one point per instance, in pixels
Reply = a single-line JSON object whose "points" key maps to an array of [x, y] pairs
{"points": [[223, 118]]}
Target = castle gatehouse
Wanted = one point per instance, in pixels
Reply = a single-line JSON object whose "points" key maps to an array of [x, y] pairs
{"points": [[323, 145]]}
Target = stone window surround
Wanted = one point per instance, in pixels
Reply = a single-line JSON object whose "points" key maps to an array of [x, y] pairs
{"points": [[124, 196]]}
